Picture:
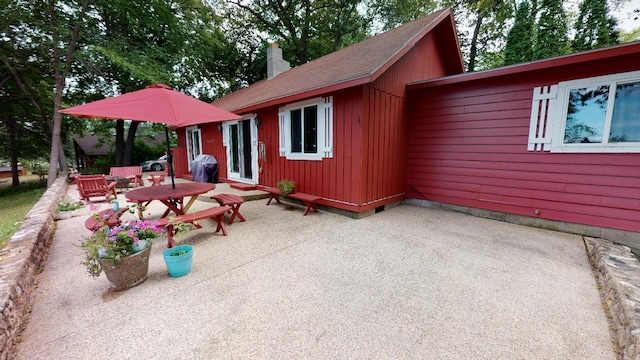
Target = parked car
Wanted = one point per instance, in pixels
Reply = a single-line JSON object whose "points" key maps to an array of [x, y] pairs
{"points": [[155, 165]]}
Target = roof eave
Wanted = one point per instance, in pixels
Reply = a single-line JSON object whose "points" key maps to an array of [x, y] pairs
{"points": [[619, 50], [303, 95]]}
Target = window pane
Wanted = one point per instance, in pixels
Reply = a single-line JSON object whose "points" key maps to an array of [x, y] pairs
{"points": [[586, 115], [311, 130], [625, 124], [296, 131]]}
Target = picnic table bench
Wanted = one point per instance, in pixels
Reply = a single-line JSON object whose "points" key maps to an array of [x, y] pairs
{"points": [[214, 213], [230, 200], [106, 217], [308, 199]]}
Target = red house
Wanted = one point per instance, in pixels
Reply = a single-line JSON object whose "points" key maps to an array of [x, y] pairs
{"points": [[336, 125], [394, 118]]}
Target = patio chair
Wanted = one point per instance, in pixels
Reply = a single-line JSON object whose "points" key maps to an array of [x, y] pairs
{"points": [[95, 185]]}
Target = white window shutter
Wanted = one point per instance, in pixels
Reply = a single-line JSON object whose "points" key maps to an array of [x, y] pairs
{"points": [[225, 134], [325, 127], [542, 111], [282, 131]]}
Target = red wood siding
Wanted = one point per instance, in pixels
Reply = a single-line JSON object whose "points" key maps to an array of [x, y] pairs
{"points": [[337, 179], [384, 151], [211, 144], [467, 145]]}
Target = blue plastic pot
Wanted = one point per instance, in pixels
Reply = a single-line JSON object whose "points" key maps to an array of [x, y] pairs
{"points": [[178, 265]]}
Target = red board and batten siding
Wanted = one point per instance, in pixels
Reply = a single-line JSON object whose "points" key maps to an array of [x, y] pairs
{"points": [[211, 144], [467, 145], [384, 130], [336, 179]]}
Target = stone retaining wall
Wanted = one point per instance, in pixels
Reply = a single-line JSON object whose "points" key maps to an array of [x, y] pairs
{"points": [[618, 275], [21, 261]]}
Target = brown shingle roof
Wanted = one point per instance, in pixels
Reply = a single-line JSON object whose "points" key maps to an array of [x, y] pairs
{"points": [[356, 64]]}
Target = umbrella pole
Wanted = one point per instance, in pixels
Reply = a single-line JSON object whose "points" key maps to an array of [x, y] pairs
{"points": [[169, 157]]}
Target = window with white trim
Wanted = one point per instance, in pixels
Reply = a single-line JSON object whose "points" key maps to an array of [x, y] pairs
{"points": [[599, 114], [306, 129]]}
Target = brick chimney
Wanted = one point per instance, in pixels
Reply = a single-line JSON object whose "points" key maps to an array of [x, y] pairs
{"points": [[275, 63]]}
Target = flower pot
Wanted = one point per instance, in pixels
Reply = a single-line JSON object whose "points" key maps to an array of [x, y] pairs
{"points": [[178, 265], [130, 271], [63, 215]]}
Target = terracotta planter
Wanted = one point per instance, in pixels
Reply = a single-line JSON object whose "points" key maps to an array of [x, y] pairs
{"points": [[131, 271]]}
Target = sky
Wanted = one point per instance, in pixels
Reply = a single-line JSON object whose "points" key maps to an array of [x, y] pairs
{"points": [[625, 16]]}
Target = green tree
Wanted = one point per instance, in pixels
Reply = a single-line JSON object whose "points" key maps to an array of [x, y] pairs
{"points": [[552, 39], [392, 13], [178, 43], [595, 28], [519, 47], [307, 30]]}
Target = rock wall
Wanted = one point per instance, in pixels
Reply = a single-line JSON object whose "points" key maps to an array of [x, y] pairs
{"points": [[21, 261], [618, 275]]}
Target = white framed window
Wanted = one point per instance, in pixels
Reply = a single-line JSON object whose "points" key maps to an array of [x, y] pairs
{"points": [[599, 114], [306, 129]]}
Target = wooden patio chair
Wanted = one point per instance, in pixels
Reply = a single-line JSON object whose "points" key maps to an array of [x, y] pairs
{"points": [[94, 186]]}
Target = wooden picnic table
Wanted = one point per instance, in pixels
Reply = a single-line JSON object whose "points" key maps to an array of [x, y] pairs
{"points": [[172, 198]]}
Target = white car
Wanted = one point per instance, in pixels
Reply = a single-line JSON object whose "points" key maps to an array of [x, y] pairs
{"points": [[155, 165]]}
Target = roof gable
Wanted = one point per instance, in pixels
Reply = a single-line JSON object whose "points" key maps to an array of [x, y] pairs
{"points": [[357, 64]]}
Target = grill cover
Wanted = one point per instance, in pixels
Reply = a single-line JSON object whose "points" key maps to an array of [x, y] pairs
{"points": [[204, 168]]}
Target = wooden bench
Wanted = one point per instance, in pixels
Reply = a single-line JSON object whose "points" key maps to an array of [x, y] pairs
{"points": [[231, 200], [133, 173], [274, 193], [308, 199], [214, 213], [106, 217]]}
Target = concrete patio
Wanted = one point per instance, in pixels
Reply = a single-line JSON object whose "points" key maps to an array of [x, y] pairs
{"points": [[408, 282]]}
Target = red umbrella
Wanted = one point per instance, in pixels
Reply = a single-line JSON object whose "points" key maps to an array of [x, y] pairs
{"points": [[156, 103]]}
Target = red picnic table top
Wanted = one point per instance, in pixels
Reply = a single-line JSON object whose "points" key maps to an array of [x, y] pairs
{"points": [[169, 196]]}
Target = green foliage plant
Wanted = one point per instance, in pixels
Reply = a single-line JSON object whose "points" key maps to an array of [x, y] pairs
{"points": [[552, 37], [286, 186], [595, 28], [66, 203], [519, 47], [115, 243]]}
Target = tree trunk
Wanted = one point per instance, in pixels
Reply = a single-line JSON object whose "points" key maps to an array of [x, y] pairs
{"points": [[119, 142], [57, 117], [13, 151], [60, 76], [131, 138], [473, 52]]}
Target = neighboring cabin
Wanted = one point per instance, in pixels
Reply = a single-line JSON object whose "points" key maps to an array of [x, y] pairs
{"points": [[394, 117]]}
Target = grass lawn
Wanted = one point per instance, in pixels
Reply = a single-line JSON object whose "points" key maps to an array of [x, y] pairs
{"points": [[15, 204]]}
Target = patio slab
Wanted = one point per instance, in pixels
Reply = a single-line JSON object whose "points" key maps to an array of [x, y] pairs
{"points": [[408, 282]]}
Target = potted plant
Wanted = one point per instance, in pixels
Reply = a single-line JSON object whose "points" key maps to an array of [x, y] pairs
{"points": [[179, 258], [122, 252], [286, 187], [65, 205]]}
